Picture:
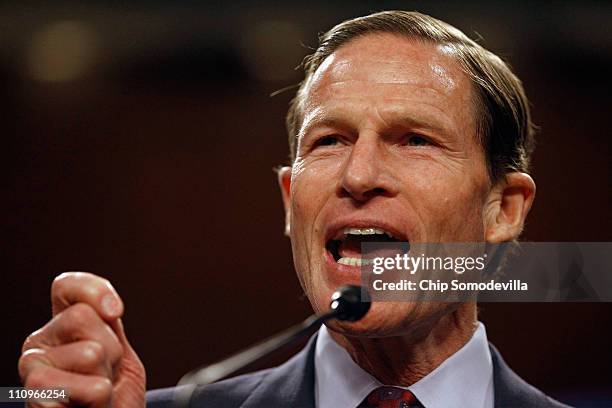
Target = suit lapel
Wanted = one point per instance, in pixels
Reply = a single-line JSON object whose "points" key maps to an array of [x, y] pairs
{"points": [[289, 385], [510, 389]]}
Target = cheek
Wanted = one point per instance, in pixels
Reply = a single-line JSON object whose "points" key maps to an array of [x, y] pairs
{"points": [[311, 188], [312, 185], [449, 204]]}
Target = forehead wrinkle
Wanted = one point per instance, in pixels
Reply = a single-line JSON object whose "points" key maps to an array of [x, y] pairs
{"points": [[415, 92], [346, 90], [428, 77], [410, 105], [411, 95]]}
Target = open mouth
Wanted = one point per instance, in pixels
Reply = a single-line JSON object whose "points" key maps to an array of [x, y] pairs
{"points": [[346, 246]]}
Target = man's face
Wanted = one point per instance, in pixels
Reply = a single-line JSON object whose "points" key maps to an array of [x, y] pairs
{"points": [[388, 141]]}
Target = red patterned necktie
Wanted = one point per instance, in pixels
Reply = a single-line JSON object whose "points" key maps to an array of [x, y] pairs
{"points": [[390, 397]]}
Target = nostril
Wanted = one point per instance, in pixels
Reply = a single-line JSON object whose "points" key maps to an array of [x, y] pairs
{"points": [[365, 194], [375, 192]]}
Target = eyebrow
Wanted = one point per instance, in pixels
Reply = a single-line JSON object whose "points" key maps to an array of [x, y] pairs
{"points": [[341, 121], [425, 122], [329, 121]]}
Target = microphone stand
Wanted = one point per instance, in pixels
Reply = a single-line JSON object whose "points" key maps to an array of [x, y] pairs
{"points": [[215, 372], [347, 303]]}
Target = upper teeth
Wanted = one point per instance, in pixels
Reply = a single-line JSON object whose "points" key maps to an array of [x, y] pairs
{"points": [[365, 231], [354, 261]]}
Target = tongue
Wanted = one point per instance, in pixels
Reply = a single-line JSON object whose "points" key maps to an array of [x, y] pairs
{"points": [[351, 246]]}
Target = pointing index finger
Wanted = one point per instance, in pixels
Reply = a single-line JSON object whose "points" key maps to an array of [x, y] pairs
{"points": [[74, 287]]}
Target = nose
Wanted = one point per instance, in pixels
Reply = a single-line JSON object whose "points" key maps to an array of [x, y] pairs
{"points": [[366, 173]]}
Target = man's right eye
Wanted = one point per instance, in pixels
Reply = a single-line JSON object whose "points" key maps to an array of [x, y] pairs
{"points": [[328, 140]]}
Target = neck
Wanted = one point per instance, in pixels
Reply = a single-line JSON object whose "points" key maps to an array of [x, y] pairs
{"points": [[404, 360]]}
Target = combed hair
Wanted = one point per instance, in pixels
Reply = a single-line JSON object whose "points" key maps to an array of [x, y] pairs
{"points": [[504, 122]]}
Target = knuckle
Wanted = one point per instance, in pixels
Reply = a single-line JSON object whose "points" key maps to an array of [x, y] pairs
{"points": [[60, 281], [101, 389], [31, 341], [92, 353], [38, 378], [24, 365], [96, 287], [94, 290], [80, 314]]}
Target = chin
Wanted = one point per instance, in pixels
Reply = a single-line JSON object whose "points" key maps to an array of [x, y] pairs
{"points": [[390, 319], [382, 320]]}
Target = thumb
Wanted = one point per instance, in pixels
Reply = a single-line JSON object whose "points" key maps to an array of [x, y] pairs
{"points": [[128, 351], [130, 379]]}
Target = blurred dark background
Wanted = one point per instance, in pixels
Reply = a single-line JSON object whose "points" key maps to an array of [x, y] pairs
{"points": [[139, 141]]}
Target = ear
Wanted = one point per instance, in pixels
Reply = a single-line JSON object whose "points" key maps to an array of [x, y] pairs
{"points": [[507, 207], [284, 182]]}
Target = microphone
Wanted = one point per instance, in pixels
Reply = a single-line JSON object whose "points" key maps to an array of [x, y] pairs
{"points": [[348, 303]]}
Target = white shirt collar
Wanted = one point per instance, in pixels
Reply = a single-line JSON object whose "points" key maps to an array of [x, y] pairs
{"points": [[464, 379]]}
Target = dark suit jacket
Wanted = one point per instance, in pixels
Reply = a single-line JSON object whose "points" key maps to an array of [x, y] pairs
{"points": [[292, 385]]}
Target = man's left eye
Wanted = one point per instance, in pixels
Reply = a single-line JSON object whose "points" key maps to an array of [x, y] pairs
{"points": [[417, 140]]}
